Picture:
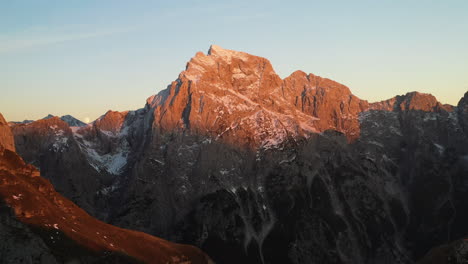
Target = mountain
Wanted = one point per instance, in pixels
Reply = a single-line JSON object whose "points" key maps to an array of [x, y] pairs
{"points": [[71, 121], [41, 226], [253, 168], [20, 122]]}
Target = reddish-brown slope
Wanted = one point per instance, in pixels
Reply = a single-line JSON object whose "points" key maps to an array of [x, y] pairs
{"points": [[36, 203], [38, 135], [332, 103]]}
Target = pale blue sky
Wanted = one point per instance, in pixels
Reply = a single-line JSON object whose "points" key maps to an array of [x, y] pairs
{"points": [[85, 57]]}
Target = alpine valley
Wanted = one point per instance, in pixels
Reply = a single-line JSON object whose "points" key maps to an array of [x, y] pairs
{"points": [[246, 166]]}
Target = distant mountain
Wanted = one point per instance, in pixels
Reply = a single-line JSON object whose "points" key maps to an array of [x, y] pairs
{"points": [[21, 122], [73, 122], [49, 116], [70, 120], [41, 226], [253, 168]]}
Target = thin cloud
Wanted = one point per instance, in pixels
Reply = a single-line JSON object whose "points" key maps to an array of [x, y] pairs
{"points": [[39, 36]]}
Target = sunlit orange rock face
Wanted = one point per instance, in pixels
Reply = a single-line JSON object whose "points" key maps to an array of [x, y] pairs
{"points": [[64, 226], [238, 97], [330, 102], [111, 121], [232, 94], [6, 137]]}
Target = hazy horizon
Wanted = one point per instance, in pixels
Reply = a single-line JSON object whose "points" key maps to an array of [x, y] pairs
{"points": [[86, 58]]}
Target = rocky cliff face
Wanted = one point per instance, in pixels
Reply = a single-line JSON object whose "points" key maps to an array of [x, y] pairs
{"points": [[50, 145], [253, 168], [228, 94], [6, 137]]}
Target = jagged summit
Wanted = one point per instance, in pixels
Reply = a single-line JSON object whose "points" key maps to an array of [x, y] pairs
{"points": [[223, 63], [215, 49], [229, 93]]}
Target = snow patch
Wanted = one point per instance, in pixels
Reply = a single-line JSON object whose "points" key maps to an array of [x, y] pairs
{"points": [[440, 148], [108, 190], [206, 141], [372, 142], [288, 160], [60, 139], [112, 162], [429, 117]]}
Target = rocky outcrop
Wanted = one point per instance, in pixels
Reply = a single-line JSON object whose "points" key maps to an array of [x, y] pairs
{"points": [[452, 253], [71, 121], [6, 137], [112, 121]]}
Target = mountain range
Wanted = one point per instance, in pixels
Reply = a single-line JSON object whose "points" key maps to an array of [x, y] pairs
{"points": [[38, 225], [253, 168]]}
